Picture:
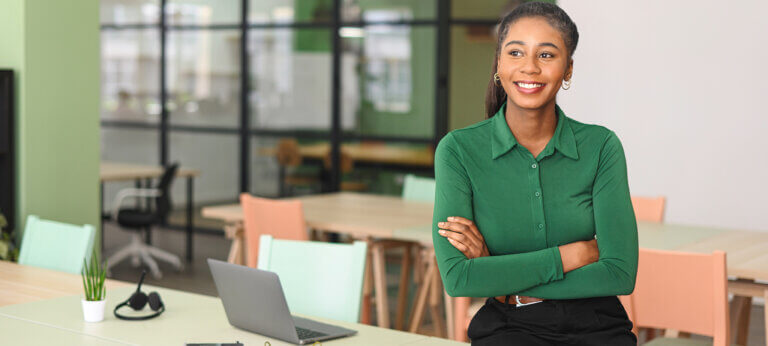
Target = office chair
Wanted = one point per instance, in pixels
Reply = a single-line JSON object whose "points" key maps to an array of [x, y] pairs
{"points": [[140, 220]]}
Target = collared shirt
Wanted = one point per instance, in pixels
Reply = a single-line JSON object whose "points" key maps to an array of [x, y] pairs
{"points": [[526, 206]]}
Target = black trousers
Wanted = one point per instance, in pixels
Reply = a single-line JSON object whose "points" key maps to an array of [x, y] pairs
{"points": [[589, 321]]}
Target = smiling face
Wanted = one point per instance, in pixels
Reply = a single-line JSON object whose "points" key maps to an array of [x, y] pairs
{"points": [[533, 62]]}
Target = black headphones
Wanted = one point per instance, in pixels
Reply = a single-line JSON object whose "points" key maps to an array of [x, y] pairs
{"points": [[138, 300]]}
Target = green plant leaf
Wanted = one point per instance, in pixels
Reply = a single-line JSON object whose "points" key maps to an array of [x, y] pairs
{"points": [[86, 280], [82, 275]]}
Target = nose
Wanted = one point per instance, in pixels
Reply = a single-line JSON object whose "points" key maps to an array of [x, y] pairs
{"points": [[530, 65]]}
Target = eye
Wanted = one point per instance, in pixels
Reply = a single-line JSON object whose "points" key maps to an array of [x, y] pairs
{"points": [[546, 55], [516, 53]]}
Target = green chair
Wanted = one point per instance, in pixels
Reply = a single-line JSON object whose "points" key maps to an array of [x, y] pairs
{"points": [[319, 279], [55, 245], [417, 188]]}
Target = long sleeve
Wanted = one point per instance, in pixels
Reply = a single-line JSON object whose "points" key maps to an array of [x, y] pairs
{"points": [[485, 276], [616, 232]]}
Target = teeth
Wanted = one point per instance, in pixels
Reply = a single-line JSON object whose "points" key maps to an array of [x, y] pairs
{"points": [[530, 86]]}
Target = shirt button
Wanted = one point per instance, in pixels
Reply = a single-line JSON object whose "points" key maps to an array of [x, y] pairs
{"points": [[534, 166], [537, 194], [541, 226]]}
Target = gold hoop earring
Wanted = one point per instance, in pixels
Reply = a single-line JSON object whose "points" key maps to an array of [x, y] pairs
{"points": [[496, 79], [566, 84]]}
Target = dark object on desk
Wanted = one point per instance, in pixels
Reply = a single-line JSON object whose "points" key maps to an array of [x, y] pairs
{"points": [[138, 300], [138, 220], [7, 149]]}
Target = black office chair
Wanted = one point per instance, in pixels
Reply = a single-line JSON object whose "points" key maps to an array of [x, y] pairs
{"points": [[141, 220]]}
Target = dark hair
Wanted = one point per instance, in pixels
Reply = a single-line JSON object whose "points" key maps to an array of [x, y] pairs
{"points": [[555, 16]]}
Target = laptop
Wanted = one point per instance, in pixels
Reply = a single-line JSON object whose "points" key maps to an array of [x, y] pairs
{"points": [[254, 301]]}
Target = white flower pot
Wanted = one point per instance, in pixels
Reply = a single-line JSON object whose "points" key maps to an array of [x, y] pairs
{"points": [[93, 311]]}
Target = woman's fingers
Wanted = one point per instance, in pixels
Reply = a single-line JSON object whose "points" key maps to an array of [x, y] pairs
{"points": [[456, 243], [459, 246], [461, 232], [466, 232], [462, 243], [468, 223]]}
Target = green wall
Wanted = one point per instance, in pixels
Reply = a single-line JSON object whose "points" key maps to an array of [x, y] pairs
{"points": [[53, 47]]}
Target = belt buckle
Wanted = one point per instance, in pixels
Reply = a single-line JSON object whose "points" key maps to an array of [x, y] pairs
{"points": [[519, 303]]}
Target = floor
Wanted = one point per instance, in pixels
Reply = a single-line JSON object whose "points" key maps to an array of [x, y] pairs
{"points": [[195, 277]]}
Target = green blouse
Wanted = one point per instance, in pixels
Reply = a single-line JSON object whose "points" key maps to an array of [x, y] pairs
{"points": [[525, 207]]}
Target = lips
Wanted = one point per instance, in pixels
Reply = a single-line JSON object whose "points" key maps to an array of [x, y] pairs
{"points": [[529, 87]]}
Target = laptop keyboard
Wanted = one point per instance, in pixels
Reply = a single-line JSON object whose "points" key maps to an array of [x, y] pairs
{"points": [[308, 334]]}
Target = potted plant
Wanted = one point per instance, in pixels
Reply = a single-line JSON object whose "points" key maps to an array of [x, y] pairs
{"points": [[8, 251], [94, 274]]}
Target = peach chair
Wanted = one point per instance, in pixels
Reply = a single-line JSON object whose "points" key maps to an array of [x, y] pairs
{"points": [[649, 209], [282, 219], [683, 291]]}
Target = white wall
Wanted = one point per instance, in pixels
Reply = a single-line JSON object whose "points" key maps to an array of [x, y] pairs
{"points": [[684, 85]]}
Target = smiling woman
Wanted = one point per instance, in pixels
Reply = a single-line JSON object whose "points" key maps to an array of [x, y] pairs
{"points": [[532, 208]]}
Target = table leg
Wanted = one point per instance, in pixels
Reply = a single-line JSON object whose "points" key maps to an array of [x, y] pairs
{"points": [[402, 293], [740, 310], [380, 282], [190, 211], [137, 201], [436, 295], [418, 265], [234, 231], [367, 286], [421, 297], [148, 200]]}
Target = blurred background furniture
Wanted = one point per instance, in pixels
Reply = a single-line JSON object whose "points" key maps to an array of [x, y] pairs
{"points": [[56, 245], [142, 175], [650, 209], [138, 220], [319, 279], [681, 291], [282, 219]]}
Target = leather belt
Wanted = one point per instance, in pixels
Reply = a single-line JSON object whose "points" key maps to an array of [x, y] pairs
{"points": [[515, 299]]}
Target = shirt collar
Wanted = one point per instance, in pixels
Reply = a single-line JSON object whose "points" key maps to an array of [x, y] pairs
{"points": [[502, 140]]}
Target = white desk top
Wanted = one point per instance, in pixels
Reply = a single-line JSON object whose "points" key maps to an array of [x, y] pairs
{"points": [[188, 318], [52, 314]]}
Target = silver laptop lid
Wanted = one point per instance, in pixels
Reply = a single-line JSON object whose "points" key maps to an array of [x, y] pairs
{"points": [[253, 300]]}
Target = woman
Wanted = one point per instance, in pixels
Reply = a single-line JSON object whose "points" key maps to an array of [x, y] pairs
{"points": [[532, 208]]}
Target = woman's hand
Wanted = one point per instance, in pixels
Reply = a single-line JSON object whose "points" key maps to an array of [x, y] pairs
{"points": [[578, 254], [464, 236]]}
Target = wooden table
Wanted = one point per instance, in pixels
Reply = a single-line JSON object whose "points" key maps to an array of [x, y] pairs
{"points": [[369, 153], [114, 171], [392, 218], [362, 216], [23, 284], [55, 316]]}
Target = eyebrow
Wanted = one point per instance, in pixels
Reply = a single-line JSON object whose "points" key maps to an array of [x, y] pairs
{"points": [[543, 44]]}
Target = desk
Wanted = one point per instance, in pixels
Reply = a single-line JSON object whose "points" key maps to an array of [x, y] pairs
{"points": [[113, 171], [189, 318], [381, 154], [392, 218], [24, 284], [362, 216]]}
